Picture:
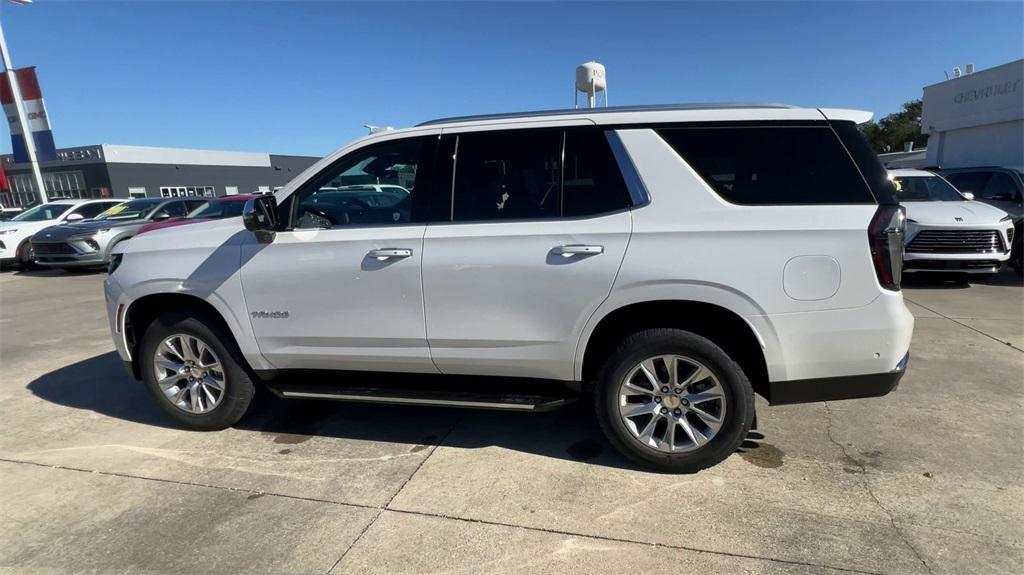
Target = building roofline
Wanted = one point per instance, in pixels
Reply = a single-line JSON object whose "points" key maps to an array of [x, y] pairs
{"points": [[607, 110]]}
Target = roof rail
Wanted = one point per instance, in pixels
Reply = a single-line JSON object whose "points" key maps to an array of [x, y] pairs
{"points": [[607, 110]]}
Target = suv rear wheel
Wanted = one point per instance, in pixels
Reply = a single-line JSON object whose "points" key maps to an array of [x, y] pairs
{"points": [[672, 400], [194, 372]]}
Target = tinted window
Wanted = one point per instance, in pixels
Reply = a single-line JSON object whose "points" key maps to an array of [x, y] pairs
{"points": [[507, 175], [375, 185], [521, 174], [867, 162], [1000, 187], [222, 209], [972, 182], [772, 165], [174, 210], [591, 181], [89, 211]]}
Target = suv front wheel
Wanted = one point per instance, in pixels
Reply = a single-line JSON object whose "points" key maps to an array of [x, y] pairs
{"points": [[672, 400], [194, 372]]}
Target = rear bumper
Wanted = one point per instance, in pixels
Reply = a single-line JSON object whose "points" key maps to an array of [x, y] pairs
{"points": [[836, 388]]}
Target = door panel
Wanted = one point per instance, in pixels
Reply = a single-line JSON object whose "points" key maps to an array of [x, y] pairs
{"points": [[346, 309], [501, 299]]}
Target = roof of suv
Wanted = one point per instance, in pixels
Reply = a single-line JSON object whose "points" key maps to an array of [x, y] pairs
{"points": [[667, 112]]}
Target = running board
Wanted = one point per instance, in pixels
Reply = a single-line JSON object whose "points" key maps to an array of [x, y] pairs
{"points": [[462, 399]]}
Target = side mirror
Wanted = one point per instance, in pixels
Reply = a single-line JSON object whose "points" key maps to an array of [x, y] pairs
{"points": [[161, 216], [74, 218], [969, 195], [260, 214]]}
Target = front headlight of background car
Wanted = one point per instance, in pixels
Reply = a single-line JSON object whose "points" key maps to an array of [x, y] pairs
{"points": [[115, 261]]}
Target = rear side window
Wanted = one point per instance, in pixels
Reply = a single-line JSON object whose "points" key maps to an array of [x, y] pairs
{"points": [[772, 165], [536, 174], [592, 183], [507, 175]]}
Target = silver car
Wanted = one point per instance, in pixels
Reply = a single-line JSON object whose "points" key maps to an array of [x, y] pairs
{"points": [[88, 244]]}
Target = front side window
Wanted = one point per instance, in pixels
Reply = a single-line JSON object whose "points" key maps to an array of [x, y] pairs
{"points": [[969, 182], [1000, 188], [372, 186], [772, 165], [925, 189]]}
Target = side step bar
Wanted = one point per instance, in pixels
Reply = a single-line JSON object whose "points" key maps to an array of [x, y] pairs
{"points": [[461, 399]]}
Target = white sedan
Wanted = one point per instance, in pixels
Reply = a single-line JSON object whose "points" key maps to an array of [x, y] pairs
{"points": [[948, 231], [14, 234]]}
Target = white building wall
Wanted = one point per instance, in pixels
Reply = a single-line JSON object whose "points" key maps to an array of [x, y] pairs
{"points": [[977, 119]]}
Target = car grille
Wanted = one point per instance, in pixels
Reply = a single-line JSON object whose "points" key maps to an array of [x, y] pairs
{"points": [[956, 241], [53, 249]]}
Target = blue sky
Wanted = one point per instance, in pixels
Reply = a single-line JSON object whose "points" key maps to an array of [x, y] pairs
{"points": [[302, 78]]}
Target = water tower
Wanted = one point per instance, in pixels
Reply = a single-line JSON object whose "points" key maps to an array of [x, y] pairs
{"points": [[590, 79]]}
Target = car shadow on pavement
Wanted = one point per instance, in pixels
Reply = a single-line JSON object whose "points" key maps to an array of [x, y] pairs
{"points": [[100, 384]]}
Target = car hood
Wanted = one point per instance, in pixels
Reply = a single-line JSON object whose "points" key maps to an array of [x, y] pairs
{"points": [[61, 232], [29, 227], [946, 213]]}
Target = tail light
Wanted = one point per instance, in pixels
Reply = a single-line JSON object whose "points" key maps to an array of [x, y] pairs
{"points": [[885, 237]]}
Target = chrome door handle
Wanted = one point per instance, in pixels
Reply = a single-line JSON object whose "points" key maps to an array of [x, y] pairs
{"points": [[577, 249], [388, 253]]}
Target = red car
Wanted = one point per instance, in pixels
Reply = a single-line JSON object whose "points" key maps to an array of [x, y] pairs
{"points": [[215, 209]]}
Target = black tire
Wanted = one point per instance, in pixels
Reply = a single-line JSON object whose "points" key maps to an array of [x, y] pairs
{"points": [[238, 385], [738, 392], [26, 256]]}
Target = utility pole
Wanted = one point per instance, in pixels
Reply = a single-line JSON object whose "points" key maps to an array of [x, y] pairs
{"points": [[19, 105]]}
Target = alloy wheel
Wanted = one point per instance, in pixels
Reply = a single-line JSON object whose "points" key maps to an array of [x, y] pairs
{"points": [[672, 403], [189, 373]]}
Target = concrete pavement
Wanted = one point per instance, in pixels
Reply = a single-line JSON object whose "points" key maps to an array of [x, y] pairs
{"points": [[94, 479]]}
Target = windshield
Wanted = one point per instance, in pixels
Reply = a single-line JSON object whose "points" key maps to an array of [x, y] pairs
{"points": [[218, 210], [42, 212], [925, 189], [128, 210]]}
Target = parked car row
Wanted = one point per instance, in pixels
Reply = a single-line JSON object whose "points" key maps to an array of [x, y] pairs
{"points": [[949, 231], [72, 234]]}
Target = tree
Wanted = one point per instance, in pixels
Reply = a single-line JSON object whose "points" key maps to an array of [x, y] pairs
{"points": [[890, 133]]}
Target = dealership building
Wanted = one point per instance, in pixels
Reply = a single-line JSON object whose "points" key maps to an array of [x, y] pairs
{"points": [[112, 171], [976, 119]]}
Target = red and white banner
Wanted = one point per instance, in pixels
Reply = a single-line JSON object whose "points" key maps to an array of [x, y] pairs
{"points": [[35, 111]]}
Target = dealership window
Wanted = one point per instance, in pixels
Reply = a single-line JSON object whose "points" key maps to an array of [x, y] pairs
{"points": [[231, 190], [263, 189], [136, 191], [59, 185], [187, 191]]}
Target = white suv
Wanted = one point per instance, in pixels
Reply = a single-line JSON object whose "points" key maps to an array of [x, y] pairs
{"points": [[667, 262]]}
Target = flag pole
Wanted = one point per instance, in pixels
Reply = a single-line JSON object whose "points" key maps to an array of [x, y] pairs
{"points": [[19, 105]]}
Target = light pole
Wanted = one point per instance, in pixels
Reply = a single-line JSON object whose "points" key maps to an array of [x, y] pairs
{"points": [[19, 105]]}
